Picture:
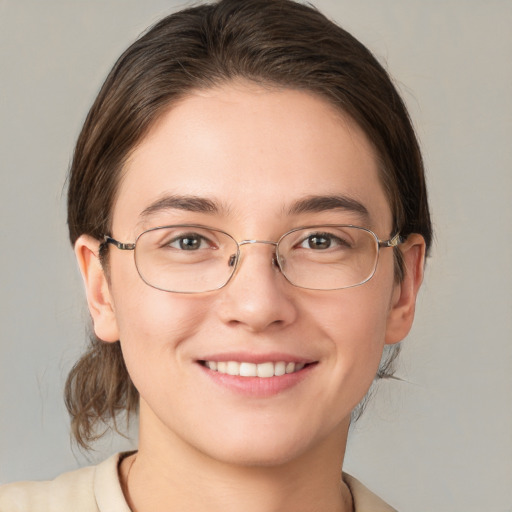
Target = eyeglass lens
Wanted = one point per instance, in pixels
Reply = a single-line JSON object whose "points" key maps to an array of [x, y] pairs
{"points": [[192, 259]]}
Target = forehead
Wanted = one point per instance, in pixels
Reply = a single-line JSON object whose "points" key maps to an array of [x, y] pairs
{"points": [[254, 153]]}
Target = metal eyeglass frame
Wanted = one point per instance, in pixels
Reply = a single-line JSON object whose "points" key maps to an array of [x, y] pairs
{"points": [[234, 261]]}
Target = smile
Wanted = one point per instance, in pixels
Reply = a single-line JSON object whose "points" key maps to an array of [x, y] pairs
{"points": [[245, 369]]}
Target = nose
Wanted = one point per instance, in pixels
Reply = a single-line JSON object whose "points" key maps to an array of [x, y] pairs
{"points": [[258, 297]]}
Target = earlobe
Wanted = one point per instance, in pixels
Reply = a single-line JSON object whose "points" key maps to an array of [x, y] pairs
{"points": [[403, 304], [97, 290]]}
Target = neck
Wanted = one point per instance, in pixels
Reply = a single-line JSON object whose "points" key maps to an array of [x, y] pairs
{"points": [[169, 475]]}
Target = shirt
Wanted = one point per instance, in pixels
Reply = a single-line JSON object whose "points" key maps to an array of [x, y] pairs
{"points": [[98, 489]]}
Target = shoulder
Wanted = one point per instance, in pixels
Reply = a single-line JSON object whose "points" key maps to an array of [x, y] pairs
{"points": [[90, 489], [73, 490], [364, 499]]}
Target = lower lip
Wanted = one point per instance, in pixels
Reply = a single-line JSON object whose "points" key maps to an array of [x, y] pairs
{"points": [[258, 387]]}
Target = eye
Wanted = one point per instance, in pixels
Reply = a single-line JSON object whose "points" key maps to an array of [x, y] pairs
{"points": [[323, 241], [189, 242]]}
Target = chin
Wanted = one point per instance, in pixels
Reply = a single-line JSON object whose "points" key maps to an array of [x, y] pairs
{"points": [[260, 456], [256, 448]]}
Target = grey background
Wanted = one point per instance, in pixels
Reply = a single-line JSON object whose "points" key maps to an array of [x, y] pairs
{"points": [[441, 440]]}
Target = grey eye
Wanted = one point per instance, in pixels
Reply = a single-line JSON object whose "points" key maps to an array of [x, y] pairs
{"points": [[188, 242]]}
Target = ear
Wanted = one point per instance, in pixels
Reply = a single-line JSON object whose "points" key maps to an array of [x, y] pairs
{"points": [[97, 290], [401, 314]]}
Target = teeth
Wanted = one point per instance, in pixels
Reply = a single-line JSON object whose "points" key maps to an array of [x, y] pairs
{"points": [[233, 368], [263, 370], [279, 369], [248, 370]]}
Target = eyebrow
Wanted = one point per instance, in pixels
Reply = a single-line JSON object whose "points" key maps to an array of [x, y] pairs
{"points": [[313, 204], [310, 204], [181, 202]]}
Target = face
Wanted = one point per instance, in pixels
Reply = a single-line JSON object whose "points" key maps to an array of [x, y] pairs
{"points": [[254, 154]]}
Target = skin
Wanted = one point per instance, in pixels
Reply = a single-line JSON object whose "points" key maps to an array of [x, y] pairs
{"points": [[254, 151]]}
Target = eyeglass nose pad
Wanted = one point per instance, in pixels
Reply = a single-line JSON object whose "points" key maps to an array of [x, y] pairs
{"points": [[276, 263]]}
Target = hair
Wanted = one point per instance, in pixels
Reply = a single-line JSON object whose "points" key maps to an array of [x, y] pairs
{"points": [[278, 43]]}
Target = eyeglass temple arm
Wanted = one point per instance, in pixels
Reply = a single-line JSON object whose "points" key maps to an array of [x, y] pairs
{"points": [[392, 242], [119, 245]]}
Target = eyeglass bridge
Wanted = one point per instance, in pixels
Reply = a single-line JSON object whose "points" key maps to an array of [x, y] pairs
{"points": [[234, 257]]}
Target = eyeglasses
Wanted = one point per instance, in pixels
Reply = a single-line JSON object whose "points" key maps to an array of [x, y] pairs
{"points": [[192, 258]]}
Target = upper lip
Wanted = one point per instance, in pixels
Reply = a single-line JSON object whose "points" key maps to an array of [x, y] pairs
{"points": [[249, 357]]}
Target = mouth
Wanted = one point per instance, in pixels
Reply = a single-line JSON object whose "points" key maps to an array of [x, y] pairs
{"points": [[247, 369], [256, 376]]}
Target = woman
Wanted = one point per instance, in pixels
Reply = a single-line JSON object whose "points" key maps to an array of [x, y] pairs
{"points": [[248, 210]]}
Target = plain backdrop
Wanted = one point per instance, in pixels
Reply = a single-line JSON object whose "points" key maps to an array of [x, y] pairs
{"points": [[440, 440]]}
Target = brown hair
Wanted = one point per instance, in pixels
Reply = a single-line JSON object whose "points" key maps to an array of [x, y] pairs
{"points": [[274, 42]]}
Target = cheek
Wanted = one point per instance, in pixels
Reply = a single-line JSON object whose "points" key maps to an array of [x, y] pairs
{"points": [[159, 317], [153, 326], [357, 319], [144, 313], [355, 325]]}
